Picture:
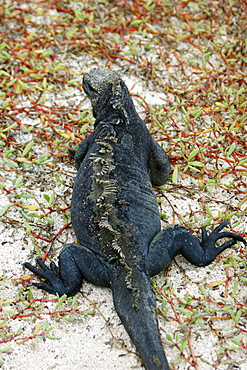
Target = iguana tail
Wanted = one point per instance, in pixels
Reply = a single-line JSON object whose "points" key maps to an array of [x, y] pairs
{"points": [[134, 301]]}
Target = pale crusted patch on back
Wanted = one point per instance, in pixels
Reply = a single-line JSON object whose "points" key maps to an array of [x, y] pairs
{"points": [[104, 190], [112, 231]]}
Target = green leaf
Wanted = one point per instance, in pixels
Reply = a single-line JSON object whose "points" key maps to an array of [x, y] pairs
{"points": [[46, 53], [37, 328], [5, 104], [60, 301], [45, 325], [52, 199], [242, 162], [206, 56], [208, 210], [3, 323], [231, 149], [196, 164], [237, 340], [37, 250], [27, 226], [10, 162], [193, 154], [19, 181], [53, 337], [84, 128], [175, 175], [3, 45], [151, 27], [5, 349], [136, 22], [27, 148], [4, 209], [197, 113], [88, 312], [43, 160], [22, 160], [203, 290], [169, 337], [208, 222], [47, 198], [4, 73]]}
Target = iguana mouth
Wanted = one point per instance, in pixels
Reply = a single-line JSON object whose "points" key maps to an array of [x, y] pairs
{"points": [[96, 81]]}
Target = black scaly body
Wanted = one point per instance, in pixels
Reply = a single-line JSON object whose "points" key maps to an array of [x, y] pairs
{"points": [[116, 219]]}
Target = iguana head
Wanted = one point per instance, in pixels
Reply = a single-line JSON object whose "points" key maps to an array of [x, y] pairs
{"points": [[96, 81]]}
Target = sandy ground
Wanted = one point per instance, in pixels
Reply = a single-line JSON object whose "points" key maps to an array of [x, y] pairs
{"points": [[99, 341]]}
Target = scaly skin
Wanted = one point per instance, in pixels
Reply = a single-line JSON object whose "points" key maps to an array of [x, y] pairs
{"points": [[116, 218]]}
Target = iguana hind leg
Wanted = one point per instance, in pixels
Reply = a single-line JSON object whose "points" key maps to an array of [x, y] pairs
{"points": [[176, 239], [75, 264]]}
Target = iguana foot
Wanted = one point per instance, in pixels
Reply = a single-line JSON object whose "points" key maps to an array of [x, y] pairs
{"points": [[52, 276], [208, 242], [75, 264]]}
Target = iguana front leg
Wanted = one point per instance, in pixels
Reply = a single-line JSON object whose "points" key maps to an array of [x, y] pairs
{"points": [[176, 239], [158, 164], [81, 151]]}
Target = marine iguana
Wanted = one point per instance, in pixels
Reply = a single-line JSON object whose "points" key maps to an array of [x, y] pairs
{"points": [[116, 219]]}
